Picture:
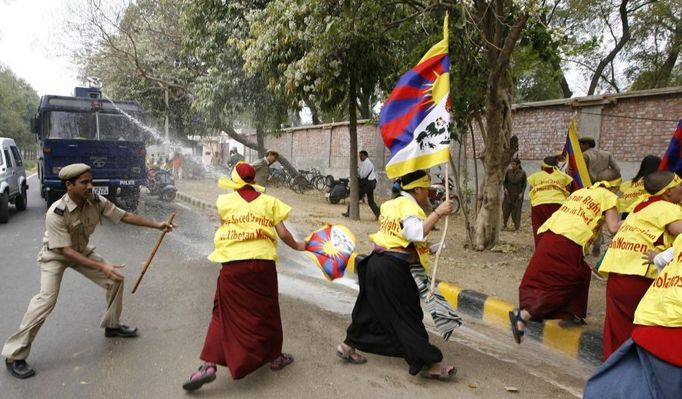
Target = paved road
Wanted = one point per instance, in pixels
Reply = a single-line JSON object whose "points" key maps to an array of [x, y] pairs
{"points": [[172, 307]]}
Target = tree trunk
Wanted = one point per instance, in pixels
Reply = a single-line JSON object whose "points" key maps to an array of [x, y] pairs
{"points": [[260, 140], [354, 211], [612, 54], [495, 159]]}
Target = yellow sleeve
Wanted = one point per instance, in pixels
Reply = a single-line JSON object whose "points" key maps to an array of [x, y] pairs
{"points": [[280, 211]]}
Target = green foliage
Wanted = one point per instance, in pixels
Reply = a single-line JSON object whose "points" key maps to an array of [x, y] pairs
{"points": [[140, 57], [307, 51], [18, 105], [216, 38], [656, 45]]}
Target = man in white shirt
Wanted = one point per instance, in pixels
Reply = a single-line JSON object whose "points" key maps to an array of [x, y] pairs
{"points": [[367, 182]]}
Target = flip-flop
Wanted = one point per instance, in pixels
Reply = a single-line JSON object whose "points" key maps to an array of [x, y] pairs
{"points": [[203, 376], [348, 356], [515, 317], [446, 372], [281, 362]]}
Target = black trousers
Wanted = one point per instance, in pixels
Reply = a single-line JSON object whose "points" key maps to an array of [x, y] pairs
{"points": [[366, 187], [387, 317]]}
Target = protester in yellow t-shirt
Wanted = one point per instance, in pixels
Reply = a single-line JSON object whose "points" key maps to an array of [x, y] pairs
{"points": [[245, 331], [549, 188], [653, 223], [649, 365], [632, 191], [557, 279], [387, 317]]}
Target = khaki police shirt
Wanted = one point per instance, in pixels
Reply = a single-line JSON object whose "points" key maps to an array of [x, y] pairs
{"points": [[68, 225]]}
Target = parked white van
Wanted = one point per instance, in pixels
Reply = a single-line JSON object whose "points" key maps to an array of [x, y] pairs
{"points": [[13, 184]]}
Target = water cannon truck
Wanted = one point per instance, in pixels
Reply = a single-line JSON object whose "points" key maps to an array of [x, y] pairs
{"points": [[103, 133]]}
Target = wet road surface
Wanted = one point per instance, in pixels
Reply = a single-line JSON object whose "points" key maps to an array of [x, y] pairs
{"points": [[172, 307]]}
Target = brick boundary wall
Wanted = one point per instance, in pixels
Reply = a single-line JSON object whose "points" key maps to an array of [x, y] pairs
{"points": [[629, 125]]}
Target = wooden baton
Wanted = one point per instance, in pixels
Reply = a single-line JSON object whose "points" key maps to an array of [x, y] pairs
{"points": [[151, 256]]}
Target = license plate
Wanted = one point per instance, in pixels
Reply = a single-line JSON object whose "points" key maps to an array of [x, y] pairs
{"points": [[101, 190]]}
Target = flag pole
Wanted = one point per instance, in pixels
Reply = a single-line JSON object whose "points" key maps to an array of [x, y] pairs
{"points": [[445, 232]]}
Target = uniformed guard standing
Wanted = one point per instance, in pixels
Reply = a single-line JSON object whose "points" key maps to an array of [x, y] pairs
{"points": [[69, 223]]}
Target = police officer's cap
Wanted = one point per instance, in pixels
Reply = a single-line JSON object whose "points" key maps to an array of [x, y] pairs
{"points": [[74, 170]]}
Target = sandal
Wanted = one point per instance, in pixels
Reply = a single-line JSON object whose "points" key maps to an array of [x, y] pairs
{"points": [[515, 317], [444, 374], [204, 375], [350, 355], [281, 362]]}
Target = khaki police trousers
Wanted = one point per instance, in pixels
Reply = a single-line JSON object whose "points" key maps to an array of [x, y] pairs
{"points": [[18, 346]]}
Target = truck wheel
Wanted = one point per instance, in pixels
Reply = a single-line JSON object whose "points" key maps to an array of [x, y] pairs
{"points": [[130, 198], [21, 201], [4, 207]]}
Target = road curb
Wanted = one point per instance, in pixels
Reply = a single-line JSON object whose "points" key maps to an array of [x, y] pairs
{"points": [[576, 342], [193, 201]]}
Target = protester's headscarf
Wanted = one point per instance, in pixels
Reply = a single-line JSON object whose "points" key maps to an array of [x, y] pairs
{"points": [[415, 179], [243, 174]]}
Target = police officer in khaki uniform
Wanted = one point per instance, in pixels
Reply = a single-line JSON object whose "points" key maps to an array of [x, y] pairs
{"points": [[69, 223]]}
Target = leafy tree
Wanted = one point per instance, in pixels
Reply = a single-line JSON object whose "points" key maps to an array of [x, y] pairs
{"points": [[19, 103], [136, 51], [322, 54], [657, 40]]}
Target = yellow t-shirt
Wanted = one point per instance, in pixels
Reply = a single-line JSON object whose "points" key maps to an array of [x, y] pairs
{"points": [[581, 216], [637, 236], [390, 227], [662, 303], [548, 188], [633, 194], [248, 228]]}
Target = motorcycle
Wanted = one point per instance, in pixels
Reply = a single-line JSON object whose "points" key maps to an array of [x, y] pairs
{"points": [[437, 193], [160, 182], [339, 191]]}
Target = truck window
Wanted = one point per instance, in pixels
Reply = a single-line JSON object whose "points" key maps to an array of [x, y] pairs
{"points": [[72, 125], [83, 125], [17, 156], [119, 127], [9, 160]]}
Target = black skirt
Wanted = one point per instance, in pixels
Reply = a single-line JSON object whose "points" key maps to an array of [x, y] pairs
{"points": [[387, 317]]}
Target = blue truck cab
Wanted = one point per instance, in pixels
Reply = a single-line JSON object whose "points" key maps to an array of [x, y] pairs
{"points": [[99, 132]]}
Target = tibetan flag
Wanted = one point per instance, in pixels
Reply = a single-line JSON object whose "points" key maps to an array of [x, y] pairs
{"points": [[672, 160], [331, 248], [415, 119], [574, 156]]}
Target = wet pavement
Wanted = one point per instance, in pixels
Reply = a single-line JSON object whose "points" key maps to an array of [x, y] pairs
{"points": [[172, 309]]}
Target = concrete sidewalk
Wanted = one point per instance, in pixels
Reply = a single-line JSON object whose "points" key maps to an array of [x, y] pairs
{"points": [[576, 342]]}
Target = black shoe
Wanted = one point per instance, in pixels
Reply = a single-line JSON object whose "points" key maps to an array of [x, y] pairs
{"points": [[19, 368], [344, 215], [121, 331]]}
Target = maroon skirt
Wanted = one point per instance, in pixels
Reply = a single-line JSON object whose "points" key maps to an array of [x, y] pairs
{"points": [[245, 331], [623, 293], [557, 280], [539, 215]]}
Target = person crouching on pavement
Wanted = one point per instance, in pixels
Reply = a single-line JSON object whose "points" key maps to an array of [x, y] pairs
{"points": [[245, 331], [69, 223], [653, 223], [387, 317], [557, 280]]}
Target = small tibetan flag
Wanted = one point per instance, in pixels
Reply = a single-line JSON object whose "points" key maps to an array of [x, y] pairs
{"points": [[672, 160], [331, 248], [574, 156]]}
